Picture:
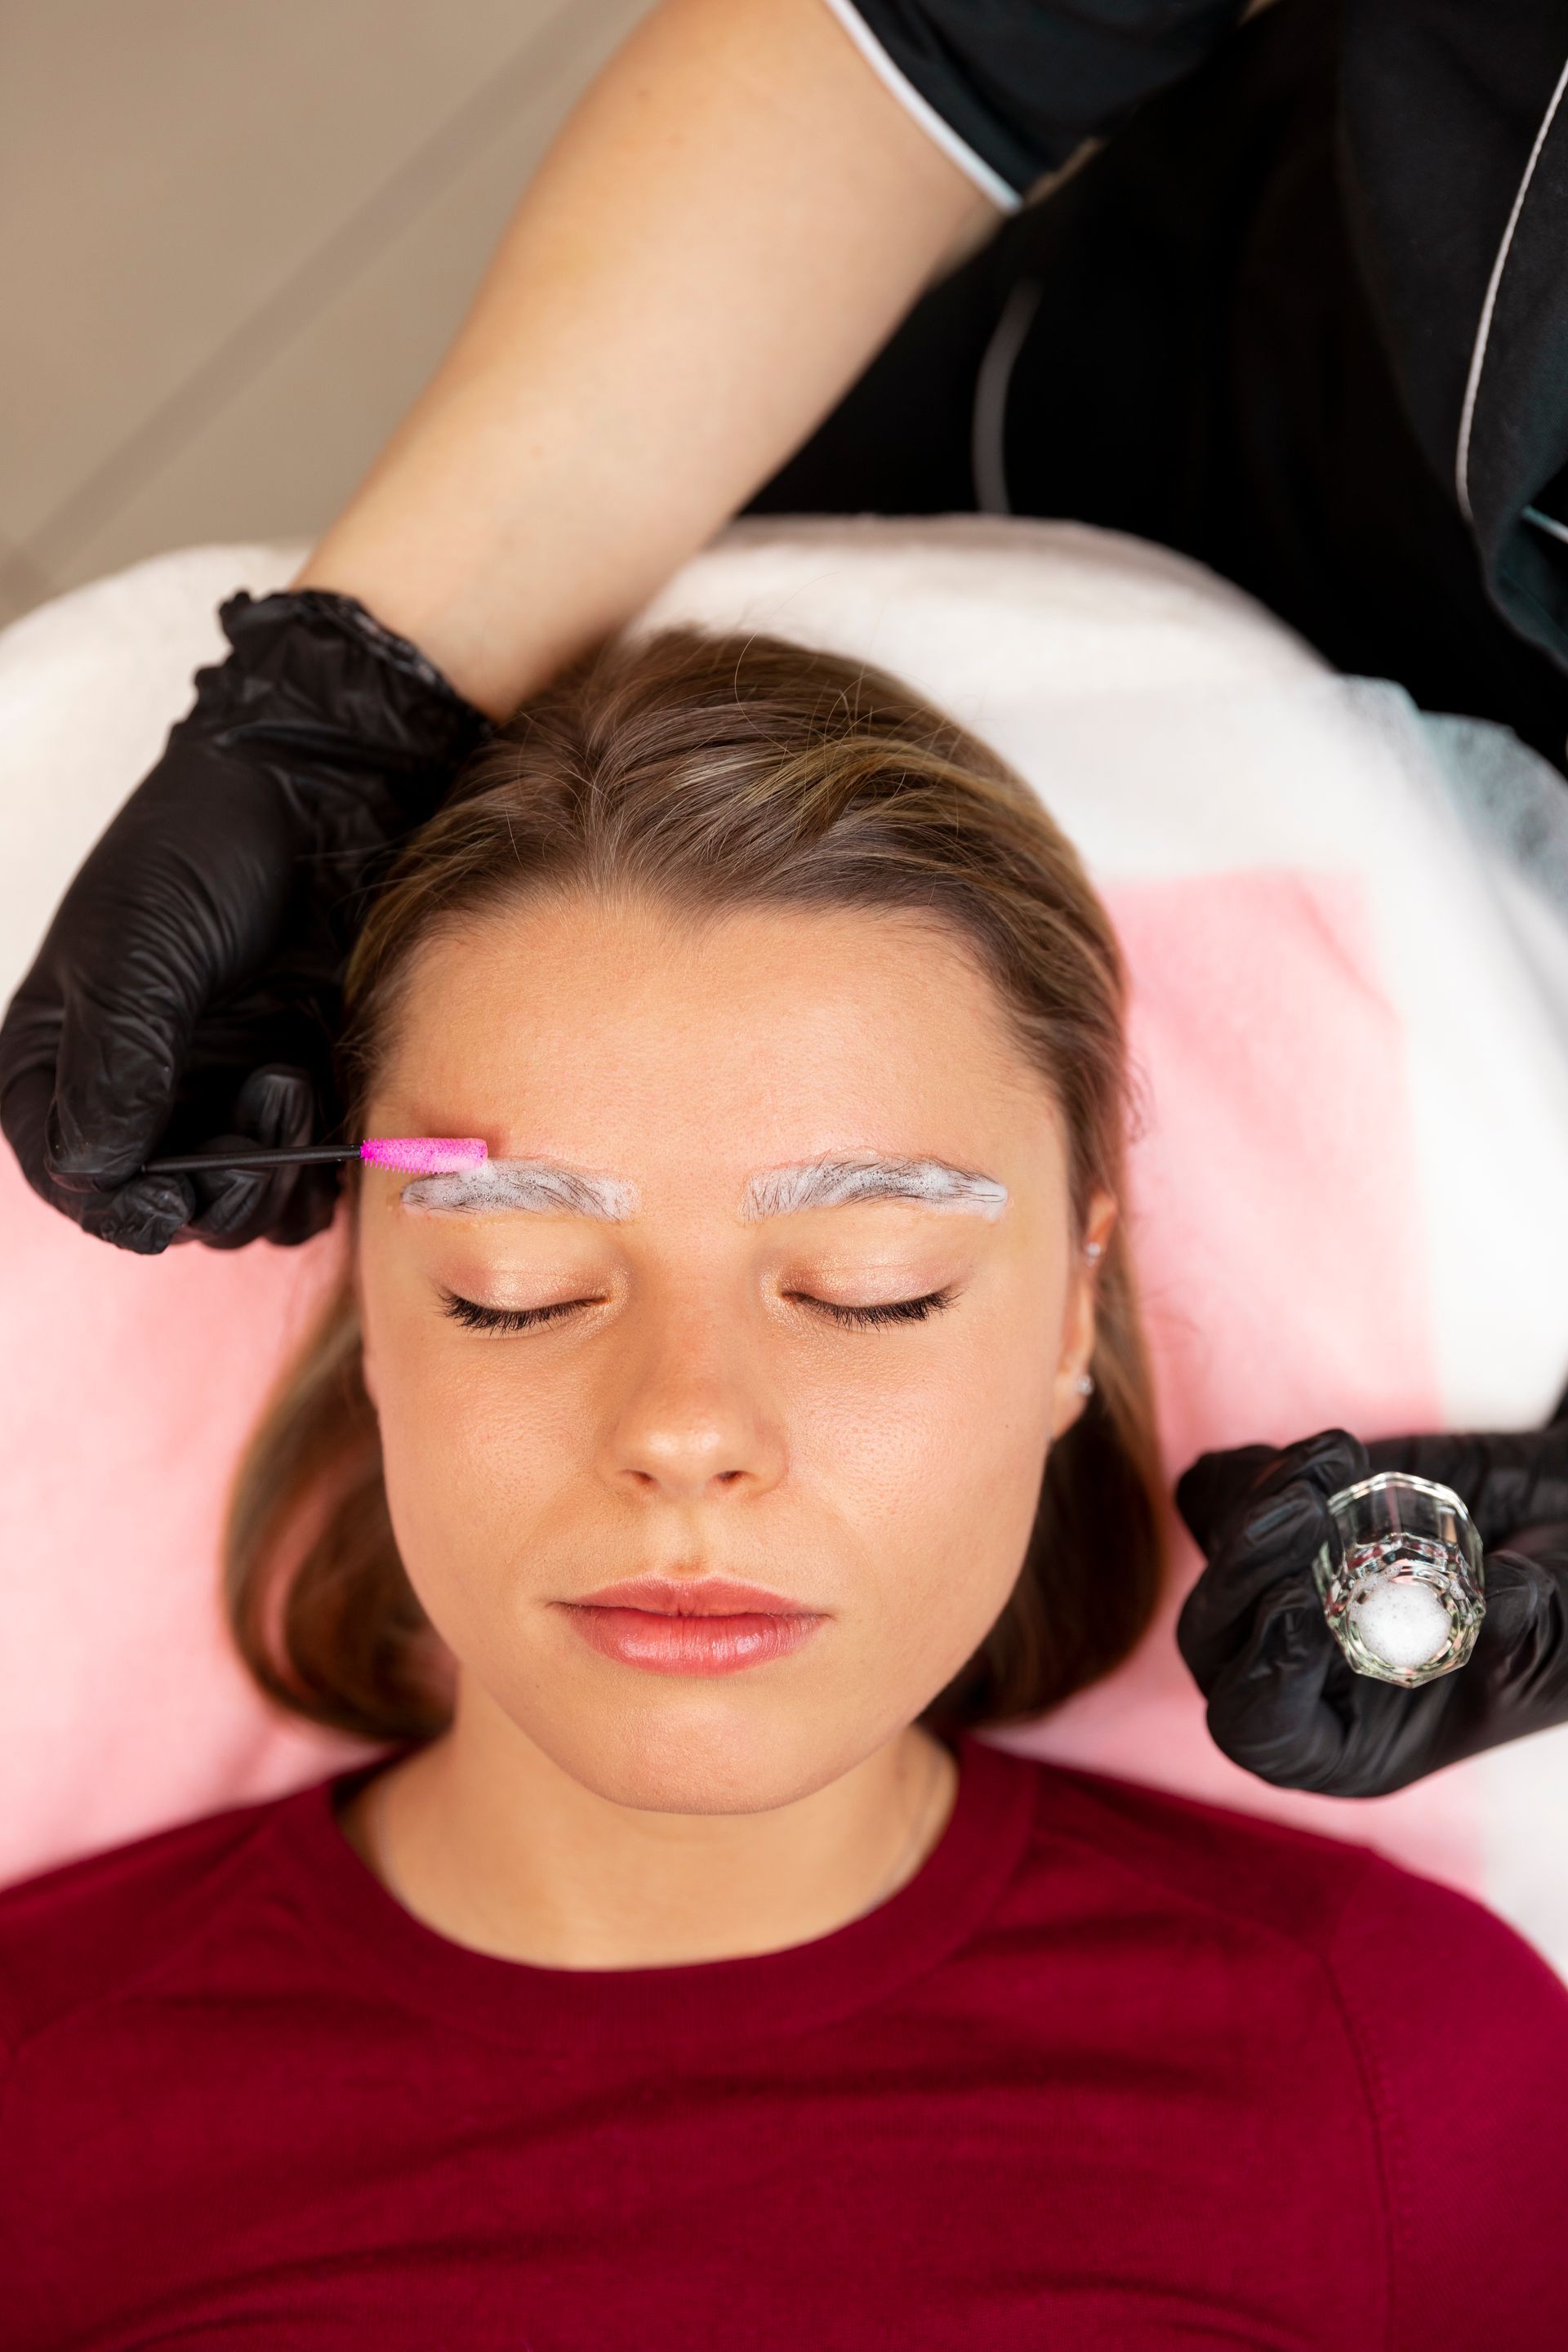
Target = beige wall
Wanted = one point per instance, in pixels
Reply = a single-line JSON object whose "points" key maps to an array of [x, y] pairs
{"points": [[233, 243]]}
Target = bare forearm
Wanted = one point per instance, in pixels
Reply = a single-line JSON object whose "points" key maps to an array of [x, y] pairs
{"points": [[729, 226]]}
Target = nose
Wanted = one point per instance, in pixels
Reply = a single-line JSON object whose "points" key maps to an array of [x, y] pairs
{"points": [[693, 1422]]}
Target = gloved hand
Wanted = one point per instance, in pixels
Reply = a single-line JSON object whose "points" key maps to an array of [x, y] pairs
{"points": [[1282, 1701], [187, 991]]}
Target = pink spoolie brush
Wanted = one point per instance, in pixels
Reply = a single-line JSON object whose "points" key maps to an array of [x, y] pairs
{"points": [[406, 1155], [423, 1155]]}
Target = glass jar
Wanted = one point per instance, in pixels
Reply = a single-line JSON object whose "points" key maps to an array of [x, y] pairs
{"points": [[1402, 1578]]}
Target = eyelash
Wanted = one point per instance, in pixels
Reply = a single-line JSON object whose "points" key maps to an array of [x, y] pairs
{"points": [[473, 1316], [893, 1310]]}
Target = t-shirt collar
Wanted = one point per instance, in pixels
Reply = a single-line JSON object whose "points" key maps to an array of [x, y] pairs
{"points": [[660, 2010]]}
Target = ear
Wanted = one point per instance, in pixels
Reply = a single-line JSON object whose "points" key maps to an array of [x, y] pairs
{"points": [[1068, 1398]]}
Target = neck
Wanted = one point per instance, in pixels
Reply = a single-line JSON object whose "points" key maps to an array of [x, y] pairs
{"points": [[488, 1842]]}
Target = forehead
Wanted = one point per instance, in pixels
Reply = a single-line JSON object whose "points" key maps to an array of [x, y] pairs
{"points": [[625, 1037]]}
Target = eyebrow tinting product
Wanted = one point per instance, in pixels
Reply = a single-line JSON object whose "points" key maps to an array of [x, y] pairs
{"points": [[542, 1186], [547, 1188], [836, 1183], [408, 1155]]}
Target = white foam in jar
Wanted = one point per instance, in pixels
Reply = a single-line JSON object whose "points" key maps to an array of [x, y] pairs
{"points": [[1401, 1621]]}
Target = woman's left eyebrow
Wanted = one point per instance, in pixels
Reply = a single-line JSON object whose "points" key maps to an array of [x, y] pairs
{"points": [[546, 1188], [835, 1182]]}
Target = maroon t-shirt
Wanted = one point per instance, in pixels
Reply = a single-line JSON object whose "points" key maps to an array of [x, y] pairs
{"points": [[1113, 2071]]}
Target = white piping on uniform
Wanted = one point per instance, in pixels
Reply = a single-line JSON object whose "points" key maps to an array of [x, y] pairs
{"points": [[1483, 331], [974, 167], [1546, 523], [988, 428]]}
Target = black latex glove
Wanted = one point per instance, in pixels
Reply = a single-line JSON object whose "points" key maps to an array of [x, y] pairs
{"points": [[187, 993], [1282, 1701]]}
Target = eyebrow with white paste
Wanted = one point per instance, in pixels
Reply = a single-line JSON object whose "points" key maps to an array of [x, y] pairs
{"points": [[545, 1188], [836, 1183]]}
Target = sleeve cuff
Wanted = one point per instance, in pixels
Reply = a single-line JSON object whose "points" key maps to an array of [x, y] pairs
{"points": [[974, 167]]}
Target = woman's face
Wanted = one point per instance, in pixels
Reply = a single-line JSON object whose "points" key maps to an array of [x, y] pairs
{"points": [[698, 1353]]}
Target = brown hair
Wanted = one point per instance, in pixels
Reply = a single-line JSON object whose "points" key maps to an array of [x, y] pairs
{"points": [[710, 773]]}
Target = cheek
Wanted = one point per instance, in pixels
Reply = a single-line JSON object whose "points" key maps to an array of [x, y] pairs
{"points": [[934, 1462], [472, 1455]]}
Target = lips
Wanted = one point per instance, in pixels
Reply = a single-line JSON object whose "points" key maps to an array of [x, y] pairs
{"points": [[706, 1596], [710, 1626]]}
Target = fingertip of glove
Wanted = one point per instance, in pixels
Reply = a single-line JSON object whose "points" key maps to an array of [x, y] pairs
{"points": [[1267, 1488], [231, 1208], [1212, 1485], [1290, 1497], [1276, 1521], [277, 1105], [1331, 1459], [145, 1216], [1289, 1629], [1263, 1708], [1524, 1592], [83, 1164]]}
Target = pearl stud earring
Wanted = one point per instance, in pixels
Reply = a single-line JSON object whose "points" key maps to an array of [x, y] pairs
{"points": [[1093, 1251], [1084, 1384]]}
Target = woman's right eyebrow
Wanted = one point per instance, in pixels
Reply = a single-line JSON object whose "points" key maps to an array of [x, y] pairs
{"points": [[503, 1187]]}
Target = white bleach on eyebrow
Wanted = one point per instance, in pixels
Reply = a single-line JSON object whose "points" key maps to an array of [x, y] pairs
{"points": [[538, 1187], [838, 1183]]}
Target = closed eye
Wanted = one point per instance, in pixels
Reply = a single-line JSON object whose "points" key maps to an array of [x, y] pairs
{"points": [[475, 1318], [891, 1311]]}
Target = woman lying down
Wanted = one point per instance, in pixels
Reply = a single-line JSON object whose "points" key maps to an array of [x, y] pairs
{"points": [[679, 1493]]}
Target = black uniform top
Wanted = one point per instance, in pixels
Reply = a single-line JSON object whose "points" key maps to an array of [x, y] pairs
{"points": [[1454, 127]]}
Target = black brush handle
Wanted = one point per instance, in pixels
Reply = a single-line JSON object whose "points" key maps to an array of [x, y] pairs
{"points": [[316, 1155]]}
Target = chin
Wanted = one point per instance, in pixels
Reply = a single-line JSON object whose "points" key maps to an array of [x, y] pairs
{"points": [[725, 1757]]}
